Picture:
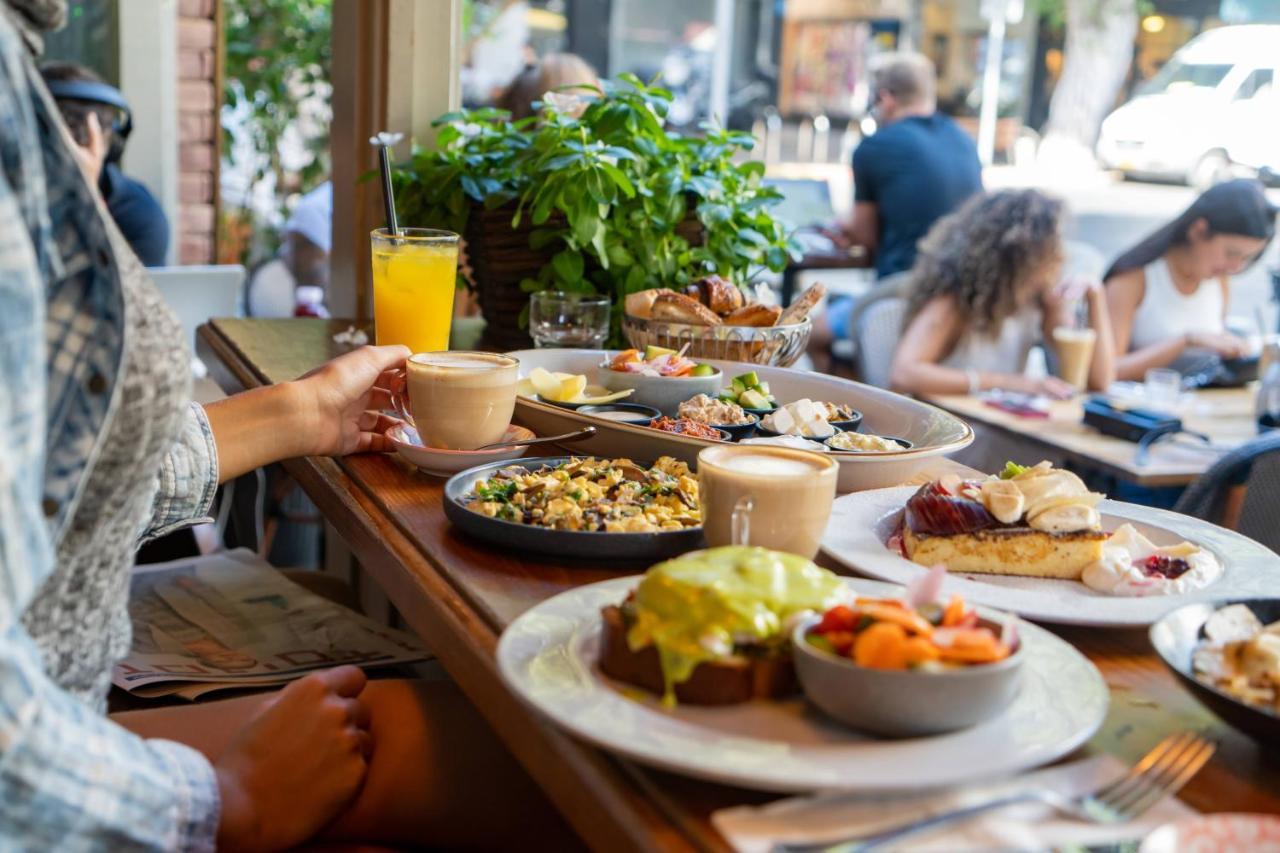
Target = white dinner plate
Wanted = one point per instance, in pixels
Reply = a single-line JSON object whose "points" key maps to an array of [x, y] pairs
{"points": [[547, 657], [861, 523]]}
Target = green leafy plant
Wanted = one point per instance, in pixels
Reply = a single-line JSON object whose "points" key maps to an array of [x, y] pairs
{"points": [[608, 187], [281, 97]]}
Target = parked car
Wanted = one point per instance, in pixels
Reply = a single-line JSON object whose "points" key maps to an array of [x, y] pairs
{"points": [[1212, 112]]}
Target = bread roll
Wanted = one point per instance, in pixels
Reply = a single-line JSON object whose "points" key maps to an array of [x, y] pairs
{"points": [[678, 308], [754, 314], [720, 295], [800, 308], [641, 304]]}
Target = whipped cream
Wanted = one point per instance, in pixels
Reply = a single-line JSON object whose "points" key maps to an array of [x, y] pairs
{"points": [[1119, 571]]}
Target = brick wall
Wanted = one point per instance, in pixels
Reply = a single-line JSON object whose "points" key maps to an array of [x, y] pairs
{"points": [[198, 100]]}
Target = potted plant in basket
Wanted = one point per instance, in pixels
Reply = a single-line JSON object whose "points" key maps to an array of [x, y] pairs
{"points": [[600, 199]]}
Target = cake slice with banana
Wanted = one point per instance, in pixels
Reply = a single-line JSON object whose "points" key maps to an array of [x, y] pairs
{"points": [[1036, 522]]}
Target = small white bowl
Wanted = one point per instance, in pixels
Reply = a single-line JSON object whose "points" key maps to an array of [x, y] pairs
{"points": [[664, 393], [903, 703], [445, 463]]}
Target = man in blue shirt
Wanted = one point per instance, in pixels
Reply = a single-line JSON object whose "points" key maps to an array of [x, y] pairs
{"points": [[918, 167]]}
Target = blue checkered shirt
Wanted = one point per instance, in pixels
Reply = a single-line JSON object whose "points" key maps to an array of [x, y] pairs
{"points": [[69, 778]]}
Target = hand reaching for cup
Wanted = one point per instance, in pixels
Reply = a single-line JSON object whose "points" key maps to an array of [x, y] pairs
{"points": [[344, 399]]}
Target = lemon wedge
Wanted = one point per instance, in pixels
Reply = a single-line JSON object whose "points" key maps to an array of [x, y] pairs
{"points": [[570, 389], [594, 395], [545, 382]]}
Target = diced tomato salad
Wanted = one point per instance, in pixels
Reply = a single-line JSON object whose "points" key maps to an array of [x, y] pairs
{"points": [[883, 633], [670, 364]]}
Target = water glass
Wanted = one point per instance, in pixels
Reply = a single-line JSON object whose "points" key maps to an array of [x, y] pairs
{"points": [[1163, 387], [558, 319]]}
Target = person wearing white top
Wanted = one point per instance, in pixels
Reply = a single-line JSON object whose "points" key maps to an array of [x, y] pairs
{"points": [[986, 287], [1169, 293]]}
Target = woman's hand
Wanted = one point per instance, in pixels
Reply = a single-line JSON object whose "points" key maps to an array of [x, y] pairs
{"points": [[1226, 345], [343, 399], [1048, 386]]}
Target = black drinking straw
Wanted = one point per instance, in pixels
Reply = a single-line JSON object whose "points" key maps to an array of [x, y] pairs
{"points": [[383, 142]]}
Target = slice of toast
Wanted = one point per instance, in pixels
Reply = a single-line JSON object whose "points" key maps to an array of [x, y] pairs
{"points": [[725, 682]]}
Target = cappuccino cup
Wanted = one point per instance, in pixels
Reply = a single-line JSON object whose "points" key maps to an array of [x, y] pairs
{"points": [[773, 497], [458, 400]]}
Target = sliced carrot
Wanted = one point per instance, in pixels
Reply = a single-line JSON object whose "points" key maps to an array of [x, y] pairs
{"points": [[974, 654], [954, 614], [907, 619], [920, 650], [624, 357], [881, 646], [841, 642]]}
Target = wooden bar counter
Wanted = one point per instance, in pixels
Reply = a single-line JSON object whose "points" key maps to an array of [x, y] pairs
{"points": [[459, 595]]}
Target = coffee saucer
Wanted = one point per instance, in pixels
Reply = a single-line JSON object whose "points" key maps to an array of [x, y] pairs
{"points": [[446, 462]]}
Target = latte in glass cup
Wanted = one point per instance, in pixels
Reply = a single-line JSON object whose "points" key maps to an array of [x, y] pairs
{"points": [[774, 497], [460, 400]]}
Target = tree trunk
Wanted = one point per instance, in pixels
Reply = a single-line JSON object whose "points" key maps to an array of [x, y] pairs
{"points": [[1097, 55]]}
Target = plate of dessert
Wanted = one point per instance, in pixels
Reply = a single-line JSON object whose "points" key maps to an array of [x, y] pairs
{"points": [[1035, 540], [580, 506], [785, 676], [755, 403], [1227, 653]]}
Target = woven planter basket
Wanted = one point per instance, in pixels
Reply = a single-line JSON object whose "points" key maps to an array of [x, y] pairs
{"points": [[500, 259]]}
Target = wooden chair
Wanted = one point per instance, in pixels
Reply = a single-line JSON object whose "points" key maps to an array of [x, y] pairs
{"points": [[1241, 491]]}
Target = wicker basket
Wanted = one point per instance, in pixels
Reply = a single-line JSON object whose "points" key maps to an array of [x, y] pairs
{"points": [[778, 346], [500, 259]]}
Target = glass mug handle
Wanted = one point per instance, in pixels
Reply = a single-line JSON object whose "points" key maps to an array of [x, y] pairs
{"points": [[400, 396], [740, 521]]}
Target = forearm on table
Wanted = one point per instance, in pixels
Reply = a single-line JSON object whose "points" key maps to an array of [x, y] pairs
{"points": [[920, 379], [1133, 366], [258, 427], [1102, 371]]}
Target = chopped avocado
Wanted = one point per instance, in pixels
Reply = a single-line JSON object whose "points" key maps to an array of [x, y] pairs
{"points": [[704, 370], [753, 400], [1011, 470], [728, 397], [651, 352], [736, 386], [749, 380], [763, 388]]}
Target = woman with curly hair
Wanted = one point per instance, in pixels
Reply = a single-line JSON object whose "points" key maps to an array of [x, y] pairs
{"points": [[985, 289]]}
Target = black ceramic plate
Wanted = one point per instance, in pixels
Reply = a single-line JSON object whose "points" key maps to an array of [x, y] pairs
{"points": [[518, 538], [1175, 638]]}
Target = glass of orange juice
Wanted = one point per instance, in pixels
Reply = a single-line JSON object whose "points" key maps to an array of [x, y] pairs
{"points": [[413, 280]]}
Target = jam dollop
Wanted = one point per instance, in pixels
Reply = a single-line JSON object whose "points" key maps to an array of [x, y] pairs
{"points": [[1160, 566]]}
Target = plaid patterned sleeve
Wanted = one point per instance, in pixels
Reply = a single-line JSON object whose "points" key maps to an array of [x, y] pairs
{"points": [[188, 478], [69, 778]]}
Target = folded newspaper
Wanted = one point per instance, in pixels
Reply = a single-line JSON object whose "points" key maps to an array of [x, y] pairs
{"points": [[230, 620]]}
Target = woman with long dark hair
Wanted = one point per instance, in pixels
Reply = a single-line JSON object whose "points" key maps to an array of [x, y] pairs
{"points": [[1169, 293], [987, 287]]}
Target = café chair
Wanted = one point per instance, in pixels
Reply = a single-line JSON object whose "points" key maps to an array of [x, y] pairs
{"points": [[875, 325], [1241, 491]]}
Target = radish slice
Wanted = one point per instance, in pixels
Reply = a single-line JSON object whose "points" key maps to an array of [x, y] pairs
{"points": [[926, 588]]}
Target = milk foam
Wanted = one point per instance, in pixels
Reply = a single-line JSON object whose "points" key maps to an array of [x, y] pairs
{"points": [[766, 465], [458, 361]]}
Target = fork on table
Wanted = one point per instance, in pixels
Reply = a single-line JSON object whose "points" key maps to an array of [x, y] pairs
{"points": [[1161, 772]]}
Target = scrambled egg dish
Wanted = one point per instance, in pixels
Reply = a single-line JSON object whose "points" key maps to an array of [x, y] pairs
{"points": [[589, 494]]}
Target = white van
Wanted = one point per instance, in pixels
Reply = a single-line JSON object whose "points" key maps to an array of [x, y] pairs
{"points": [[1212, 112]]}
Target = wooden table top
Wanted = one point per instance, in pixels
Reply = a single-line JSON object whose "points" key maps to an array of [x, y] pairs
{"points": [[1226, 415], [459, 594]]}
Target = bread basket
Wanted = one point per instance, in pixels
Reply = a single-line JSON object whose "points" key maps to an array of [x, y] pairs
{"points": [[777, 346]]}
